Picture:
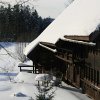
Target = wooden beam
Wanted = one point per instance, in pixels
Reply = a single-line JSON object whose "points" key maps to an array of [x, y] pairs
{"points": [[48, 48], [79, 42], [68, 61], [80, 38]]}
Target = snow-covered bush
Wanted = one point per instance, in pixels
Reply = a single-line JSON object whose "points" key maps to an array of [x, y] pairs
{"points": [[45, 91]]}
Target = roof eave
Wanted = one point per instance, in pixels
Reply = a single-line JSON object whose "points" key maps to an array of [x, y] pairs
{"points": [[79, 42]]}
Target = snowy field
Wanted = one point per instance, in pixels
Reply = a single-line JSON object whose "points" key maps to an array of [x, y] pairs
{"points": [[15, 85]]}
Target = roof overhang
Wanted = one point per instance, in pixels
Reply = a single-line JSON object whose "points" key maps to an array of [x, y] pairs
{"points": [[24, 65], [79, 42], [48, 48]]}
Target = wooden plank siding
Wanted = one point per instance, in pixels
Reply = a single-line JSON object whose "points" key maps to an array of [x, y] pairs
{"points": [[83, 65], [80, 38]]}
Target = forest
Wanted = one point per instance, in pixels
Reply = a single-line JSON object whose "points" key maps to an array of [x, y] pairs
{"points": [[20, 23]]}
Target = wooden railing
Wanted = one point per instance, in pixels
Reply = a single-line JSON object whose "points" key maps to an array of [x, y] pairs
{"points": [[30, 69]]}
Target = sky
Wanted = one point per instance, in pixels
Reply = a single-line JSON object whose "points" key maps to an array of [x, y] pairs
{"points": [[46, 8]]}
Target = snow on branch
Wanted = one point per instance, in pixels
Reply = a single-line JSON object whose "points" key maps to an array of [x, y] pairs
{"points": [[4, 3], [11, 54], [21, 2]]}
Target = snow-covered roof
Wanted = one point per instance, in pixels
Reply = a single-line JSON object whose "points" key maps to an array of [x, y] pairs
{"points": [[26, 63], [53, 50], [80, 18], [22, 64], [80, 42]]}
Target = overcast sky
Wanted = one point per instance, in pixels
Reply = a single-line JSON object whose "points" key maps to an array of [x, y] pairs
{"points": [[46, 8]]}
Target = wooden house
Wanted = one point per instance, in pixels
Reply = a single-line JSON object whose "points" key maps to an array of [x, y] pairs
{"points": [[71, 45]]}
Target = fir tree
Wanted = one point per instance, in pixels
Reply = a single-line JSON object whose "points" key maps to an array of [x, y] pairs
{"points": [[45, 91]]}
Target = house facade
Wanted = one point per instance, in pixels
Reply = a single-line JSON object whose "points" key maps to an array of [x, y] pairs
{"points": [[78, 61]]}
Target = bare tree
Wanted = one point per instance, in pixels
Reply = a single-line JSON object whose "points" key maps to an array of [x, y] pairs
{"points": [[20, 46], [11, 54], [18, 55], [8, 65], [17, 2], [7, 70]]}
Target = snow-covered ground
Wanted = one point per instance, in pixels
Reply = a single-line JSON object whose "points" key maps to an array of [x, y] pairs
{"points": [[23, 85]]}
